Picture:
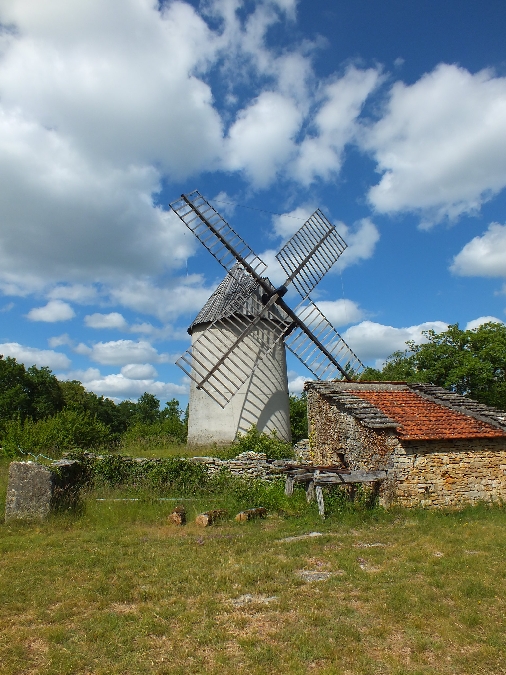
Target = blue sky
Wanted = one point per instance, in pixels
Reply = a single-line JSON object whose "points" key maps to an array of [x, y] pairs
{"points": [[390, 117]]}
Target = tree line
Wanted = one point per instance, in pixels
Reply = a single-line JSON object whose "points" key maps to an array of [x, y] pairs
{"points": [[39, 412]]}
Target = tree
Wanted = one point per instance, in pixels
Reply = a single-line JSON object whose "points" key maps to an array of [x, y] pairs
{"points": [[298, 417], [468, 362], [147, 409]]}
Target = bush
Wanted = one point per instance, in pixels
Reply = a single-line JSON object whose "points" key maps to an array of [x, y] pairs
{"points": [[165, 475], [64, 431], [254, 441]]}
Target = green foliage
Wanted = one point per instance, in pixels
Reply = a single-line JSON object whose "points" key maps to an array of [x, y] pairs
{"points": [[298, 417], [468, 362], [32, 393], [162, 475], [254, 441], [64, 431]]}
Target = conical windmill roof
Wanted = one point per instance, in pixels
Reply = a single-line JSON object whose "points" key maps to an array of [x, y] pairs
{"points": [[236, 284]]}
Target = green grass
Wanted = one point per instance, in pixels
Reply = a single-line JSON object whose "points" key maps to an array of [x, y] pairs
{"points": [[118, 590]]}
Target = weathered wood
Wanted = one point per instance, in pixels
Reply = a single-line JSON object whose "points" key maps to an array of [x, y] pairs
{"points": [[319, 500], [310, 492], [354, 477], [289, 486], [210, 517], [178, 516], [250, 514]]}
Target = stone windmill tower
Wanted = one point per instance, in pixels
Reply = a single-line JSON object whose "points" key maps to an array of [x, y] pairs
{"points": [[237, 359]]}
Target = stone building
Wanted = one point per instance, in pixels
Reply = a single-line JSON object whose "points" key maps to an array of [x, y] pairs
{"points": [[439, 448]]}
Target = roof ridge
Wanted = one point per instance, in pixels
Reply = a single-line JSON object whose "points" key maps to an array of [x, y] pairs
{"points": [[461, 404]]}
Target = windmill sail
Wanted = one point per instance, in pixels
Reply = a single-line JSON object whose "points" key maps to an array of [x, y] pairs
{"points": [[316, 343], [216, 234], [245, 326], [310, 253]]}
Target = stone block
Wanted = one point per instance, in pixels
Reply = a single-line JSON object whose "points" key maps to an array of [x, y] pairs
{"points": [[35, 490]]}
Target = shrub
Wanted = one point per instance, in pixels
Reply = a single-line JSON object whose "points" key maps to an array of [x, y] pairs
{"points": [[254, 441], [64, 431]]}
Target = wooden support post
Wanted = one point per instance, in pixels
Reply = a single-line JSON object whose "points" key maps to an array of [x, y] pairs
{"points": [[310, 495], [289, 486], [319, 499]]}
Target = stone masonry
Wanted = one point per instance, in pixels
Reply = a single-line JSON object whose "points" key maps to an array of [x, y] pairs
{"points": [[437, 451]]}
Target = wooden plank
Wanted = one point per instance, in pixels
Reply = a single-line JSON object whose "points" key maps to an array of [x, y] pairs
{"points": [[353, 477]]}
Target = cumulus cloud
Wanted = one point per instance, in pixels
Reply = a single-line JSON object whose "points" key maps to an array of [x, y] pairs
{"points": [[361, 238], [262, 138], [476, 323], [374, 341], [483, 256], [118, 387], [55, 310], [440, 144], [123, 352], [335, 124], [31, 356], [139, 371], [111, 320], [340, 312], [296, 383]]}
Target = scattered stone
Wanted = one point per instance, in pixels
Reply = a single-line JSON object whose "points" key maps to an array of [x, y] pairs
{"points": [[309, 575], [248, 599], [438, 554], [210, 517], [178, 516], [361, 544], [250, 455], [364, 565], [250, 514], [302, 536]]}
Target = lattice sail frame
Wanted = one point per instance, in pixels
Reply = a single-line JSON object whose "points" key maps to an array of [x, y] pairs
{"points": [[228, 351]]}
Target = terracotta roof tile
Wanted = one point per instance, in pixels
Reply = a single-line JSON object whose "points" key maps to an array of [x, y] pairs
{"points": [[421, 419]]}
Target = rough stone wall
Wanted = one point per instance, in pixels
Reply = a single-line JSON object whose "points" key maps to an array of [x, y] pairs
{"points": [[448, 473], [333, 431], [424, 473]]}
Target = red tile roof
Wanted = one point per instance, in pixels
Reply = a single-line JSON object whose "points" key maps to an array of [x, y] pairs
{"points": [[421, 419]]}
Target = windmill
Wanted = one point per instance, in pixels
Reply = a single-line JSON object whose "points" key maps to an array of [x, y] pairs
{"points": [[237, 354]]}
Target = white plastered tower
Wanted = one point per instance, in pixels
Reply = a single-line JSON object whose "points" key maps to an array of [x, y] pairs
{"points": [[262, 400]]}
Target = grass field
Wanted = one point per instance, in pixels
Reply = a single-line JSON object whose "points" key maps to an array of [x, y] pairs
{"points": [[118, 590]]}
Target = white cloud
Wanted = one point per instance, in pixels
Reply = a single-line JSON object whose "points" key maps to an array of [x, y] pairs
{"points": [[31, 356], [335, 125], [181, 296], [118, 387], [370, 340], [361, 238], [483, 256], [261, 140], [122, 352], [440, 144], [340, 312], [60, 340], [79, 293], [55, 310], [296, 383], [139, 371], [476, 323], [111, 320]]}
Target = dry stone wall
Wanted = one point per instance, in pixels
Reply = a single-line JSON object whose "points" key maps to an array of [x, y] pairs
{"points": [[449, 473], [433, 474]]}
